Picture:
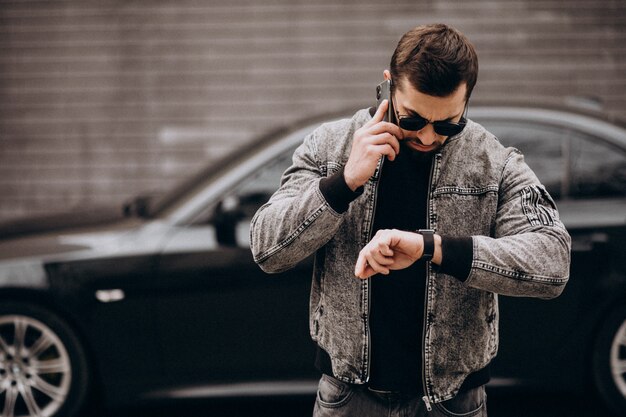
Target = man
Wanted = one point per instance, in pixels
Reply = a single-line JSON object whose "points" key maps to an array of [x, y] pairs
{"points": [[415, 331]]}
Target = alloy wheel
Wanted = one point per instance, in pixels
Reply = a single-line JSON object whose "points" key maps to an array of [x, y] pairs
{"points": [[618, 359], [35, 368]]}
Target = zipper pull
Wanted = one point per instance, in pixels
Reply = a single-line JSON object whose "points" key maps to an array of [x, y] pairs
{"points": [[427, 402]]}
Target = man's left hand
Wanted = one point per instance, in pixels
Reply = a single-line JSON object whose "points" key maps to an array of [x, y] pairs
{"points": [[389, 250]]}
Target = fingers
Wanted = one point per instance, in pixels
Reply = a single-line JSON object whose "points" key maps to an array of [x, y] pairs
{"points": [[379, 116], [382, 127], [379, 142], [378, 120], [368, 265], [374, 258], [377, 132], [378, 135], [361, 269], [371, 141], [380, 113], [376, 267], [365, 269], [383, 150], [389, 249], [381, 145]]}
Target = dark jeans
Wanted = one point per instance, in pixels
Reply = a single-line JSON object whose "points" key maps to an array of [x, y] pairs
{"points": [[336, 398]]}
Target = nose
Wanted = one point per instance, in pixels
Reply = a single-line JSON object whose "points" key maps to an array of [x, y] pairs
{"points": [[427, 135]]}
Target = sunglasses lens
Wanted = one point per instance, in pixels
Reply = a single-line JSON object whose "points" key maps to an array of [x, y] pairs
{"points": [[441, 128], [449, 129], [412, 123]]}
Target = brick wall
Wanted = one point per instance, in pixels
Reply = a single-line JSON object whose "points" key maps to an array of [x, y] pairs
{"points": [[100, 100]]}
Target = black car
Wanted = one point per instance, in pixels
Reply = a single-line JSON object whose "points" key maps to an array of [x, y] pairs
{"points": [[161, 299]]}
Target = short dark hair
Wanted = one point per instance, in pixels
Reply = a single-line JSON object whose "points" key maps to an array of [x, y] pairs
{"points": [[435, 59]]}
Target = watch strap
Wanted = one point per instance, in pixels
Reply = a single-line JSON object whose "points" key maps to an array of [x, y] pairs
{"points": [[429, 243]]}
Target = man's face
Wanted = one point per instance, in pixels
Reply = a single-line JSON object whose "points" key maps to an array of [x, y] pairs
{"points": [[410, 102]]}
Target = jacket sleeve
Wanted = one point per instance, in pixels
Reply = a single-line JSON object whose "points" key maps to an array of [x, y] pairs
{"points": [[297, 220], [529, 253]]}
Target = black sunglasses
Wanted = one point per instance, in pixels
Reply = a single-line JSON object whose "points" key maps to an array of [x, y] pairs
{"points": [[442, 127]]}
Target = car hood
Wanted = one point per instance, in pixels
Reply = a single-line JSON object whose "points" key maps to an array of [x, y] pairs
{"points": [[77, 231], [60, 221]]}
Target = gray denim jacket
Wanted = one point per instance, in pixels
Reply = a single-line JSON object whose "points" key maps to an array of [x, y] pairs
{"points": [[478, 188]]}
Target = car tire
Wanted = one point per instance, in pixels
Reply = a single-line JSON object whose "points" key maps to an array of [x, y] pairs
{"points": [[43, 366], [609, 361]]}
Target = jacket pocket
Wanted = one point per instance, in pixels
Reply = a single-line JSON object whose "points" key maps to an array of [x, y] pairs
{"points": [[471, 403], [333, 393]]}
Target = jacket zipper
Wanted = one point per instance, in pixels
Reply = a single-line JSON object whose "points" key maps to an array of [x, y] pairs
{"points": [[369, 286], [426, 398]]}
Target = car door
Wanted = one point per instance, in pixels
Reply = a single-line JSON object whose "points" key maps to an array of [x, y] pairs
{"points": [[113, 299], [221, 320], [586, 175]]}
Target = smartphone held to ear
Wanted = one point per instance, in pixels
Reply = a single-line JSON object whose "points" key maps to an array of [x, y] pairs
{"points": [[383, 92]]}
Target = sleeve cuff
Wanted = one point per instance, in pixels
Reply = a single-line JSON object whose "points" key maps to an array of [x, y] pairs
{"points": [[456, 257], [337, 193]]}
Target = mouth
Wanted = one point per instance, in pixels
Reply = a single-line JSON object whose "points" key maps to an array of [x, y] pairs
{"points": [[418, 146]]}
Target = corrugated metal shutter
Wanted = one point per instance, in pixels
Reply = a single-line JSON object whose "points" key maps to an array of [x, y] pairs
{"points": [[102, 100]]}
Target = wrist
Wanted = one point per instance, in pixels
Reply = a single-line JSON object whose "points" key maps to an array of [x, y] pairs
{"points": [[337, 193], [351, 183], [431, 246], [438, 255]]}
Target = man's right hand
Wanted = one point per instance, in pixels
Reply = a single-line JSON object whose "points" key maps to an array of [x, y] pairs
{"points": [[374, 139]]}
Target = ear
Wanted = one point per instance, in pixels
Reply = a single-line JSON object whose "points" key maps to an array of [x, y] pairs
{"points": [[387, 74]]}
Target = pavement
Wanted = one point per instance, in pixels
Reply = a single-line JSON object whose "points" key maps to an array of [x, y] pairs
{"points": [[500, 404]]}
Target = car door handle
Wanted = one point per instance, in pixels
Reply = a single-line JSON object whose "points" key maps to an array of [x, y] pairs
{"points": [[110, 296]]}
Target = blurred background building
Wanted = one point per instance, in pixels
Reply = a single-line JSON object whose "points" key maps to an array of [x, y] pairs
{"points": [[101, 100]]}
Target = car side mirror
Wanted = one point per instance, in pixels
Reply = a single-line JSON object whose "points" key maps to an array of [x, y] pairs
{"points": [[231, 211]]}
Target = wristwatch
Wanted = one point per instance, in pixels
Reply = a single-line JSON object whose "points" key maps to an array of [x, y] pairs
{"points": [[429, 243]]}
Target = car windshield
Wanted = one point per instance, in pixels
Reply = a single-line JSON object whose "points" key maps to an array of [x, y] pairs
{"points": [[156, 204]]}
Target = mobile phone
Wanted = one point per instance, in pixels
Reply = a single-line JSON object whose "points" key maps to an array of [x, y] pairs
{"points": [[383, 92]]}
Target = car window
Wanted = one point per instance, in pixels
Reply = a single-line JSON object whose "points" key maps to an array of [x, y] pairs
{"points": [[543, 149], [266, 180], [237, 209], [569, 163], [596, 170]]}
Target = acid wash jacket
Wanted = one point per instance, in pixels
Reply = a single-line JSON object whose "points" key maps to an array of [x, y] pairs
{"points": [[478, 188]]}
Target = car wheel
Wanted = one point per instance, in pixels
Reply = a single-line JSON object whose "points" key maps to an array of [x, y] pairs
{"points": [[609, 361], [43, 367]]}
